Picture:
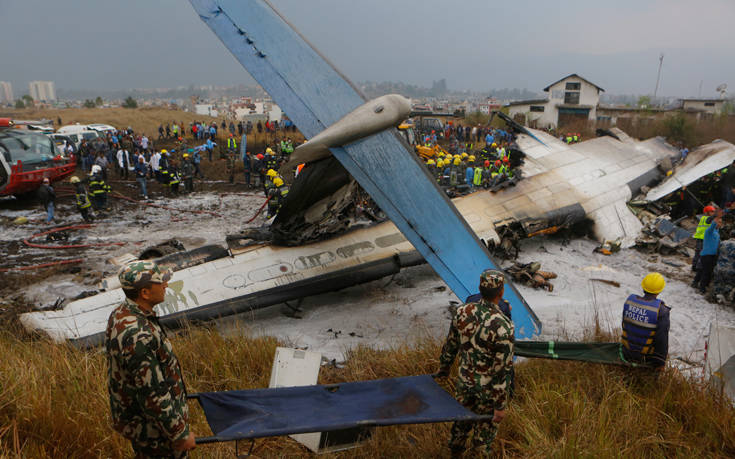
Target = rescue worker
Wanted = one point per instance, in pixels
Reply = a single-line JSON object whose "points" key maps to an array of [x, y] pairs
{"points": [[231, 153], [145, 381], [439, 171], [482, 337], [270, 177], [477, 178], [173, 178], [469, 175], [81, 198], [187, 173], [708, 255], [431, 165], [486, 174], [704, 222], [163, 165], [454, 172], [276, 195], [98, 188], [47, 196], [259, 170], [646, 324], [271, 162]]}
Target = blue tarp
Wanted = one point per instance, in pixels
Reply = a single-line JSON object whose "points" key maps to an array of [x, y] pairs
{"points": [[243, 414]]}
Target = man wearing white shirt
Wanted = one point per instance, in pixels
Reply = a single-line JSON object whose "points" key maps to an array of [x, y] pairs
{"points": [[144, 143], [154, 162], [123, 161]]}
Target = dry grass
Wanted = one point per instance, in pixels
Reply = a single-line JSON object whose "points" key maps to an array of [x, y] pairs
{"points": [[144, 120], [53, 403]]}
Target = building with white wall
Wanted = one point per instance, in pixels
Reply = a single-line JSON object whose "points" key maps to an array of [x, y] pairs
{"points": [[6, 92], [570, 99], [710, 106], [44, 91]]}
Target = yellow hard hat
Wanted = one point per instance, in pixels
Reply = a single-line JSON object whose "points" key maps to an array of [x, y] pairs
{"points": [[457, 161], [431, 162], [74, 179], [186, 155], [653, 283], [464, 155], [271, 173], [494, 144], [472, 157], [456, 156], [440, 163], [278, 181], [441, 154], [164, 151], [268, 151]]}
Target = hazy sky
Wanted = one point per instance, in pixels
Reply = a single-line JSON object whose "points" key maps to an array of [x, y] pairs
{"points": [[474, 44]]}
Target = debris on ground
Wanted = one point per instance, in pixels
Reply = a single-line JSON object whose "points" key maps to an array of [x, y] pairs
{"points": [[664, 236], [608, 247], [531, 275], [723, 288]]}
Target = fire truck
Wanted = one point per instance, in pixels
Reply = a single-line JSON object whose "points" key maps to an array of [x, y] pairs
{"points": [[27, 157]]}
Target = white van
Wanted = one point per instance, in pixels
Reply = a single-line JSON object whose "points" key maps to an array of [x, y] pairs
{"points": [[77, 133], [103, 129]]}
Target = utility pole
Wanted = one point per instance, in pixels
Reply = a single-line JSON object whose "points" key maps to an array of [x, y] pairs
{"points": [[658, 78]]}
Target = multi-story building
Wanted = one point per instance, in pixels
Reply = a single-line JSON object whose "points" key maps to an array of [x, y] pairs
{"points": [[569, 99], [6, 92], [42, 91]]}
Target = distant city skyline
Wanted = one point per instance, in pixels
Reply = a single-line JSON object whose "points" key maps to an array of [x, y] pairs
{"points": [[476, 45]]}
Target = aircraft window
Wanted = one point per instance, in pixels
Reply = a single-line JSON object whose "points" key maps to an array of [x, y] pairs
{"points": [[574, 86], [571, 98]]}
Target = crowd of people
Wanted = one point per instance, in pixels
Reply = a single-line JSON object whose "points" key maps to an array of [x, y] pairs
{"points": [[462, 167], [130, 155]]}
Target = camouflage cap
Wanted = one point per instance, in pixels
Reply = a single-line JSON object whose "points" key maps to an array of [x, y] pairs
{"points": [[140, 274], [492, 278]]}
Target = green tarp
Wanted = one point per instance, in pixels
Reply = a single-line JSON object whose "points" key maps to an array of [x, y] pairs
{"points": [[609, 353]]}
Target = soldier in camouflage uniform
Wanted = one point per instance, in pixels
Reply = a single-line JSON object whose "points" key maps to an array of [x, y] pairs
{"points": [[147, 391], [482, 336]]}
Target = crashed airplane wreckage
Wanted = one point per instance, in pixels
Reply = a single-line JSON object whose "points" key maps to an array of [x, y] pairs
{"points": [[563, 184]]}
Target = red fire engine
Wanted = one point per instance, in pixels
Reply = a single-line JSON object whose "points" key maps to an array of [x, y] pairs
{"points": [[27, 157]]}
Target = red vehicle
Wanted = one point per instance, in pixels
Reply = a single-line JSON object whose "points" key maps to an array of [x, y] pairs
{"points": [[26, 158]]}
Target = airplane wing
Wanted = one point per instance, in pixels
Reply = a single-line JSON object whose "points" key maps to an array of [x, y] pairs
{"points": [[700, 162], [315, 96]]}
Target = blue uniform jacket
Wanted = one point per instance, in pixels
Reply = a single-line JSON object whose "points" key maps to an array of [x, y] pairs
{"points": [[711, 242]]}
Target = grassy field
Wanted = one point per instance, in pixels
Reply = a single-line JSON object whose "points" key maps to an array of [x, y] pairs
{"points": [[53, 403]]}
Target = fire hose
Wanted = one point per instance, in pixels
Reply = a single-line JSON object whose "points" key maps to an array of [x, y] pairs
{"points": [[44, 265], [259, 210], [70, 246]]}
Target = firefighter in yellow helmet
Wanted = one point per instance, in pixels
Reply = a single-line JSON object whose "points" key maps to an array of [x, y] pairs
{"points": [[84, 205], [276, 195], [646, 324]]}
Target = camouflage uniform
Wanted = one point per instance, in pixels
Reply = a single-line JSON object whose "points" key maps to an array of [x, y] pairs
{"points": [[483, 338], [147, 392]]}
